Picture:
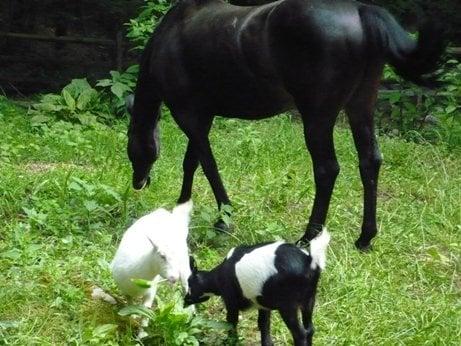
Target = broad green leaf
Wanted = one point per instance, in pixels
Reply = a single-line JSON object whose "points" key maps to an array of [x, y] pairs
{"points": [[141, 283], [133, 69], [77, 86], [137, 310], [115, 75], [70, 102], [119, 89], [104, 83], [90, 205], [104, 330], [86, 98], [450, 109]]}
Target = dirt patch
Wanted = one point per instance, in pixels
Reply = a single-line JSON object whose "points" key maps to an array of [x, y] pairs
{"points": [[43, 167]]}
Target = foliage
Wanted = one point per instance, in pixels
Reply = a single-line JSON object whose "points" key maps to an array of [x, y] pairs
{"points": [[170, 324], [119, 86], [419, 114], [141, 27], [77, 102]]}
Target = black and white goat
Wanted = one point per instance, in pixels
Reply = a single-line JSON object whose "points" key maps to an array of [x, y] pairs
{"points": [[271, 276]]}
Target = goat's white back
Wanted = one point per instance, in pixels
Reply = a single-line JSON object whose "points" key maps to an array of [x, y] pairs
{"points": [[254, 268]]}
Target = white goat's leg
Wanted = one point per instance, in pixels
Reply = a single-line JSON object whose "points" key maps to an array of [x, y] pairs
{"points": [[148, 300]]}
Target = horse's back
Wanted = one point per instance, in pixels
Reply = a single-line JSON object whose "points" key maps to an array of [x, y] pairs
{"points": [[240, 60]]}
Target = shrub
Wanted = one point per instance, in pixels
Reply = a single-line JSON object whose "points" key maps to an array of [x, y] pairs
{"points": [[141, 27], [77, 102], [419, 114], [119, 86]]}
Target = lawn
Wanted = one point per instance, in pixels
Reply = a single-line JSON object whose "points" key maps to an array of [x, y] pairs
{"points": [[65, 200]]}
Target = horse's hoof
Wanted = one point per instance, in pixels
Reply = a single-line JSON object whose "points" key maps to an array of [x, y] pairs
{"points": [[364, 246], [221, 226]]}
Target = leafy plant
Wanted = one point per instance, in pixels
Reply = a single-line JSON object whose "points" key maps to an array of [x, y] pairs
{"points": [[141, 27], [171, 324], [119, 86], [77, 102], [420, 114]]}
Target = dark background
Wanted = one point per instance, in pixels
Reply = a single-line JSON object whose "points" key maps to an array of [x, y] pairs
{"points": [[28, 66]]}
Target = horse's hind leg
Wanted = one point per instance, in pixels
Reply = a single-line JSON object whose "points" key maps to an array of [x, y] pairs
{"points": [[318, 134], [360, 113]]}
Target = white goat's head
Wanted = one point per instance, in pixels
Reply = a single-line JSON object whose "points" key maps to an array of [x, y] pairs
{"points": [[171, 251]]}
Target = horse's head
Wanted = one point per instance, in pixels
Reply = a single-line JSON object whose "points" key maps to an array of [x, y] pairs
{"points": [[143, 149]]}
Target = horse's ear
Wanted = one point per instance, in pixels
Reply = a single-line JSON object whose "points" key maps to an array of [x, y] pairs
{"points": [[129, 102], [193, 265]]}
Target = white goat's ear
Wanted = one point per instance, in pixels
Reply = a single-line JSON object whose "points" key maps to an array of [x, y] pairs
{"points": [[154, 247], [183, 210]]}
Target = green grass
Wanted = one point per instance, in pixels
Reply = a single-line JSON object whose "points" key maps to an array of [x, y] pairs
{"points": [[65, 200]]}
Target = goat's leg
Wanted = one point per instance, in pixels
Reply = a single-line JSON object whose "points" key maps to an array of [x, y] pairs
{"points": [[307, 311], [264, 324], [360, 114], [290, 317], [232, 318], [148, 300], [196, 128], [318, 134]]}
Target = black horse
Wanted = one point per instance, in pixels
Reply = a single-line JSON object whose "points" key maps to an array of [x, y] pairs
{"points": [[210, 58]]}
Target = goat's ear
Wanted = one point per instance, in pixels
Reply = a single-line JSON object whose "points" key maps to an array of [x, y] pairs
{"points": [[154, 247], [193, 265]]}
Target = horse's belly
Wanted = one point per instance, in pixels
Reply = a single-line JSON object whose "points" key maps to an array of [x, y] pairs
{"points": [[248, 101]]}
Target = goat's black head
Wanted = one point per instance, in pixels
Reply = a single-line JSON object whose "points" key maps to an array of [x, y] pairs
{"points": [[197, 286]]}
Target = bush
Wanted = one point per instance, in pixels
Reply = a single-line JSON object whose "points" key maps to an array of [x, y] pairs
{"points": [[77, 102], [420, 114], [139, 30], [119, 86], [141, 27]]}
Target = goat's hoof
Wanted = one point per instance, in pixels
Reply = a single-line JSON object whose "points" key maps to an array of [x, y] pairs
{"points": [[364, 246], [221, 226], [142, 334]]}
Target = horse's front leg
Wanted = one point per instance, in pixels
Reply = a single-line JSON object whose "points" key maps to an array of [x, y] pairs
{"points": [[189, 165], [199, 150], [318, 134]]}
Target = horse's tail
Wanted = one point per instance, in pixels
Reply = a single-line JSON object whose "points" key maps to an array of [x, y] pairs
{"points": [[412, 59]]}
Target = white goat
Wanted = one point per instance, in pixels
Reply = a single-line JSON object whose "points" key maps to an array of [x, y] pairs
{"points": [[154, 247]]}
